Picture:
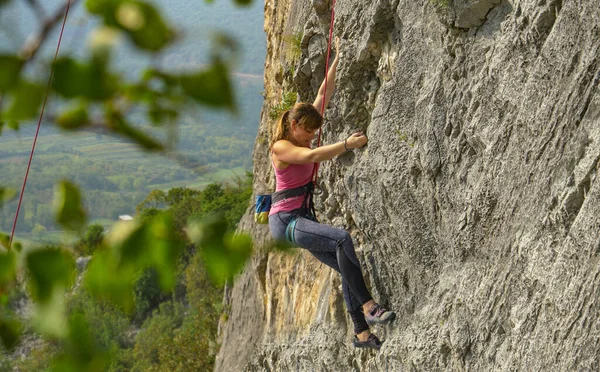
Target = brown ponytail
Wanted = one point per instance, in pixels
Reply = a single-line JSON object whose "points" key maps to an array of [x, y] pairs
{"points": [[282, 129], [305, 114]]}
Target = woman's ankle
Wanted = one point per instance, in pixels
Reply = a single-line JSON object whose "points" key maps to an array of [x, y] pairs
{"points": [[363, 336], [367, 306]]}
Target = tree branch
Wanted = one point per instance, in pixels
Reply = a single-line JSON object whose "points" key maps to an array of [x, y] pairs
{"points": [[37, 8], [34, 43], [30, 49], [100, 127]]}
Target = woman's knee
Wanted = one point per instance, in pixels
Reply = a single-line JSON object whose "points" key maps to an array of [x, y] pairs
{"points": [[345, 241], [347, 246]]}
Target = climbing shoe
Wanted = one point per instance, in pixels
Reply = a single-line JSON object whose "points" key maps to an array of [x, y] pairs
{"points": [[377, 314], [372, 342]]}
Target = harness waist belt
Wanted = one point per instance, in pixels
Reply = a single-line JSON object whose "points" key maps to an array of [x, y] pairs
{"points": [[290, 193]]}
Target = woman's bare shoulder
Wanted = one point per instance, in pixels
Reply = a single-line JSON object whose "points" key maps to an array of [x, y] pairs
{"points": [[282, 145], [279, 164]]}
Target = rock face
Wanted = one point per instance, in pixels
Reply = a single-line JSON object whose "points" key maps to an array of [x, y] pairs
{"points": [[475, 207]]}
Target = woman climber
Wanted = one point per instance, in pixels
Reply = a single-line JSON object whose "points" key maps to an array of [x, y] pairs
{"points": [[292, 213]]}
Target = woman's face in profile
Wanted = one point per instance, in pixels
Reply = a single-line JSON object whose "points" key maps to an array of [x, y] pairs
{"points": [[302, 137]]}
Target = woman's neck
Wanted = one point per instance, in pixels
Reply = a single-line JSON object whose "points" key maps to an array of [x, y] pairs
{"points": [[293, 141]]}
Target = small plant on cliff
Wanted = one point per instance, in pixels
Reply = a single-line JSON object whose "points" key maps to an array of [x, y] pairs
{"points": [[293, 49], [288, 99], [441, 3], [404, 138]]}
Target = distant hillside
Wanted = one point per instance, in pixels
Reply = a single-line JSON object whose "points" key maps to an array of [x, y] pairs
{"points": [[212, 145]]}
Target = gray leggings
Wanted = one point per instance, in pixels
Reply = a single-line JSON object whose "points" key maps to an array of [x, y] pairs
{"points": [[331, 246]]}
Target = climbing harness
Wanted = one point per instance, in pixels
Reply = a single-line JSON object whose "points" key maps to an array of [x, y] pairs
{"points": [[265, 201], [306, 211], [12, 234], [308, 207]]}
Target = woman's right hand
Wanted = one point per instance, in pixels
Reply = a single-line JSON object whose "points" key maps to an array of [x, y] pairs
{"points": [[356, 140]]}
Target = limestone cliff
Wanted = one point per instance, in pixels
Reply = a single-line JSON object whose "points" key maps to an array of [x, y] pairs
{"points": [[475, 207]]}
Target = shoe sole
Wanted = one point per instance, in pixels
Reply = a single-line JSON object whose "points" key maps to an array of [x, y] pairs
{"points": [[385, 320], [366, 346]]}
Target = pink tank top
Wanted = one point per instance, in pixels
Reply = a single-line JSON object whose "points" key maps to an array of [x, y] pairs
{"points": [[294, 175]]}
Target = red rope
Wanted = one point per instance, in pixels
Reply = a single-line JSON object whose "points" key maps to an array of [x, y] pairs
{"points": [[38, 126], [316, 169]]}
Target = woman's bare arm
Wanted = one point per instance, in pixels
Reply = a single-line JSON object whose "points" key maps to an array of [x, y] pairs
{"points": [[289, 153], [292, 154], [322, 95]]}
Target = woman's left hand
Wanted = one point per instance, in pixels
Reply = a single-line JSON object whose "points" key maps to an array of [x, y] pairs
{"points": [[356, 140]]}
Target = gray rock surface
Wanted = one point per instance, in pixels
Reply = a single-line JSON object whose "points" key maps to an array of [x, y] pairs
{"points": [[475, 207]]}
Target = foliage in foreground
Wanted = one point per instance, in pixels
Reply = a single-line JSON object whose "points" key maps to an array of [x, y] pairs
{"points": [[86, 329], [164, 329]]}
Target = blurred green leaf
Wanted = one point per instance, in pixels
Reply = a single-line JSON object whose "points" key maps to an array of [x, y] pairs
{"points": [[243, 2], [133, 247], [156, 114], [224, 254], [224, 45], [49, 317], [165, 248], [10, 68], [10, 331], [153, 243], [8, 267], [138, 92], [26, 99], [81, 352], [144, 25], [6, 195], [211, 87], [49, 269], [167, 79], [68, 207], [74, 79], [4, 240], [14, 125], [101, 6], [117, 124], [148, 74], [73, 118], [140, 21], [159, 115], [70, 78], [106, 281], [128, 242], [279, 246], [80, 336]]}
